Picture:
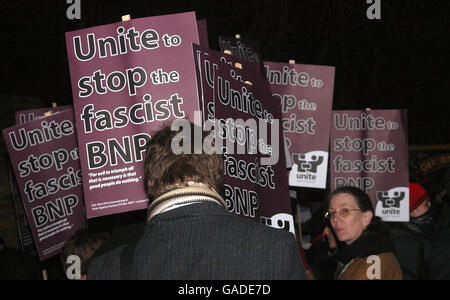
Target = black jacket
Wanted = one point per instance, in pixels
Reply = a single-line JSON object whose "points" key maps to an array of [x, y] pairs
{"points": [[437, 245], [206, 242], [422, 245]]}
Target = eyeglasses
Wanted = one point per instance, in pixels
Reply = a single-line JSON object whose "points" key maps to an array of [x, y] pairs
{"points": [[330, 214]]}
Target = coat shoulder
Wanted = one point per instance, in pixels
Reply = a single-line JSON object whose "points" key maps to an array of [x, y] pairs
{"points": [[383, 266]]}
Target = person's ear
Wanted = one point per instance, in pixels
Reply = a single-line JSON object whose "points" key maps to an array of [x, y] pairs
{"points": [[367, 218], [149, 184]]}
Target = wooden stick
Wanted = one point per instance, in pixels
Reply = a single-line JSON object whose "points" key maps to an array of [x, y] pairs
{"points": [[299, 223], [126, 18], [45, 275], [54, 104]]}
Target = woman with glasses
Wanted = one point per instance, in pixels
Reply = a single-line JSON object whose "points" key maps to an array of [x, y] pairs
{"points": [[368, 250]]}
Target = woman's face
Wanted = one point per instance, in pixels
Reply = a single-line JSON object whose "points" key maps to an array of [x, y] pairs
{"points": [[347, 219]]}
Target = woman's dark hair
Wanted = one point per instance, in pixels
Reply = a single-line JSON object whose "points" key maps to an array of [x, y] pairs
{"points": [[362, 199], [364, 204]]}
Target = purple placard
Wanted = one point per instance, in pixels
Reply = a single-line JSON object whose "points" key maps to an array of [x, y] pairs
{"points": [[25, 234], [256, 185], [207, 62], [44, 155], [140, 81], [306, 96], [24, 116], [369, 149], [245, 49]]}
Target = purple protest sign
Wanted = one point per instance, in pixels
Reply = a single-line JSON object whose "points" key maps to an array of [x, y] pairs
{"points": [[129, 79], [207, 62], [306, 96], [369, 150], [24, 116], [245, 49], [45, 160], [24, 231], [256, 185]]}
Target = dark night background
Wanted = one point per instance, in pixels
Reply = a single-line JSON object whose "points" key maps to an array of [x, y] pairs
{"points": [[398, 62]]}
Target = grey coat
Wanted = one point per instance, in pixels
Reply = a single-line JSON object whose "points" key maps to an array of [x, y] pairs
{"points": [[206, 242]]}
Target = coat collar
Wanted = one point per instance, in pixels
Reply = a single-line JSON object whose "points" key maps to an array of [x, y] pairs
{"points": [[190, 211], [370, 243]]}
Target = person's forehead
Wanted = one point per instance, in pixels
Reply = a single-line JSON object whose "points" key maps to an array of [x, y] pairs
{"points": [[342, 199]]}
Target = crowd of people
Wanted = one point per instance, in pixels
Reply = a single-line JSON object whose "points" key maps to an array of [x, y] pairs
{"points": [[415, 250], [190, 235]]}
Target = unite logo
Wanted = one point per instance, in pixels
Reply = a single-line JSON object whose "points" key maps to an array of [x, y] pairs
{"points": [[308, 165], [280, 221], [309, 170], [393, 205], [391, 201]]}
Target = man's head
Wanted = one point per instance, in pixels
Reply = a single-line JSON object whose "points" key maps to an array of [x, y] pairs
{"points": [[165, 170], [419, 201]]}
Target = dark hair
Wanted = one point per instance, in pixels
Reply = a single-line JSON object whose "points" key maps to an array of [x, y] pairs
{"points": [[362, 199], [164, 169], [364, 204], [83, 244]]}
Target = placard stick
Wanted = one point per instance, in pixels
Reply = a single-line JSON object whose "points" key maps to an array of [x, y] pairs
{"points": [[44, 275], [299, 223], [126, 18], [54, 104]]}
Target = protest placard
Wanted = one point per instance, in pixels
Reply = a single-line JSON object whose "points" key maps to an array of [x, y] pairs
{"points": [[256, 185], [306, 96], [207, 61], [369, 150], [245, 49], [23, 228], [44, 156], [129, 79], [24, 116]]}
